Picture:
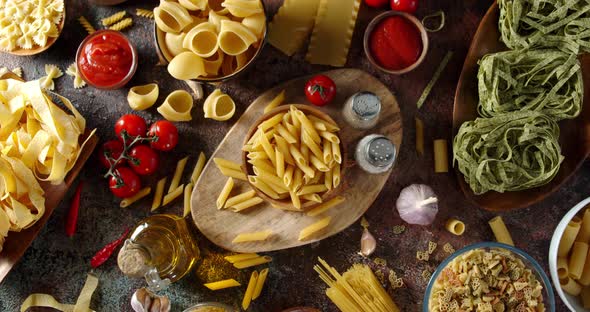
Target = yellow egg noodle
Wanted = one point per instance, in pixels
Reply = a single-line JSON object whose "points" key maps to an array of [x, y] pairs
{"points": [[52, 72], [110, 20], [26, 24], [72, 70], [38, 142], [145, 13], [82, 303], [125, 23], [86, 24]]}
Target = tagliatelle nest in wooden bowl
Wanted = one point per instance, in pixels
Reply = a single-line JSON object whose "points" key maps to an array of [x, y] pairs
{"points": [[308, 169]]}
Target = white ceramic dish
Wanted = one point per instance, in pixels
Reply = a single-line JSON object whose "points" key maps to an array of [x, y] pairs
{"points": [[573, 303]]}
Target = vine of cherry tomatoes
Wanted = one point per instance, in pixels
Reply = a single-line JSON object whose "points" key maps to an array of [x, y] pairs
{"points": [[135, 152]]}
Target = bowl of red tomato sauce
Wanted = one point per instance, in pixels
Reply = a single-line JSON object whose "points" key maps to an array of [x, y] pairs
{"points": [[395, 42], [106, 59]]}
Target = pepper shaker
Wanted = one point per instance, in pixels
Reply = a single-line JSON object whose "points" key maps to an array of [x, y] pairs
{"points": [[375, 153], [362, 110]]}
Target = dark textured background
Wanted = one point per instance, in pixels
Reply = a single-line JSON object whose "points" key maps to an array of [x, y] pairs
{"points": [[58, 265]]}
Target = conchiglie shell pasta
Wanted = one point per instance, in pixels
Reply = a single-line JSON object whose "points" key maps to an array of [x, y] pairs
{"points": [[202, 40], [243, 8], [216, 19], [143, 97], [219, 106], [174, 43], [177, 106], [186, 65], [256, 23], [171, 16], [213, 63], [196, 21], [216, 6], [235, 38], [193, 5]]}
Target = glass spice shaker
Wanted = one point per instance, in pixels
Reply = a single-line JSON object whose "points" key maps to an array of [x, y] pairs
{"points": [[375, 153], [362, 110]]}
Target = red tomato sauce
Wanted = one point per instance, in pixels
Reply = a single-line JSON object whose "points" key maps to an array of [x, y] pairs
{"points": [[395, 43], [106, 59]]}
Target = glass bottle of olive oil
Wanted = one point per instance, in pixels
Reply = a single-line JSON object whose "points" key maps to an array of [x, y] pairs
{"points": [[159, 248]]}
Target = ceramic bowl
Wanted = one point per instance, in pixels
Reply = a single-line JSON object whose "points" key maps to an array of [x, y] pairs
{"points": [[212, 305], [50, 41]]}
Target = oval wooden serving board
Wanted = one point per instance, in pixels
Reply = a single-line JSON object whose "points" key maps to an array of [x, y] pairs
{"points": [[360, 189], [574, 137]]}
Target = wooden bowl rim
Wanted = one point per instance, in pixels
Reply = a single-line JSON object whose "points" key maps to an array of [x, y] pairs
{"points": [[286, 204], [50, 41]]}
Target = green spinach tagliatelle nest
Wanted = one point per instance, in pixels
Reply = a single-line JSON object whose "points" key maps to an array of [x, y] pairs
{"points": [[563, 24], [547, 81], [508, 152]]}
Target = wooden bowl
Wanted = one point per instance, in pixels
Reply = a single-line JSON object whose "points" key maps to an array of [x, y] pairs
{"points": [[165, 55], [286, 204], [575, 133], [413, 20], [50, 41]]}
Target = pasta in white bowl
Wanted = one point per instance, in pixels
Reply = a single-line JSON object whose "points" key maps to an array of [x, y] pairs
{"points": [[218, 41]]}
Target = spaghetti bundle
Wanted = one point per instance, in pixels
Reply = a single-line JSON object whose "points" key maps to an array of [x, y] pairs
{"points": [[563, 24], [508, 152], [547, 81]]}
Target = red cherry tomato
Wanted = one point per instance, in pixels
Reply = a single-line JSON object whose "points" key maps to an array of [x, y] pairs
{"points": [[111, 149], [376, 3], [166, 135], [408, 6], [143, 160], [125, 183], [320, 90], [133, 125]]}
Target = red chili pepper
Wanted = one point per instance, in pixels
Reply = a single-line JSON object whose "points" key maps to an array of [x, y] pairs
{"points": [[105, 253], [72, 219]]}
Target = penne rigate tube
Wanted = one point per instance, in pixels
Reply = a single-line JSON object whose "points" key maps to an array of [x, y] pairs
{"points": [[252, 237], [159, 193], [188, 189], [168, 198], [177, 174], [501, 231], [325, 206], [222, 284], [240, 257], [225, 191], [252, 262], [260, 283], [314, 228], [198, 168], [455, 226], [126, 202], [250, 290]]}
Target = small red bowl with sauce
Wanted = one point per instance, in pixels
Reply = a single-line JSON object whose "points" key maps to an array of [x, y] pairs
{"points": [[395, 42], [106, 59]]}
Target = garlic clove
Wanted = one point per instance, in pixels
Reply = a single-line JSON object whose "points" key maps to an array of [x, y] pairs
{"points": [[155, 305], [368, 243], [165, 304], [145, 301]]}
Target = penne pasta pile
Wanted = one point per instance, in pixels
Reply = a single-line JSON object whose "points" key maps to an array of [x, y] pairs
{"points": [[295, 155]]}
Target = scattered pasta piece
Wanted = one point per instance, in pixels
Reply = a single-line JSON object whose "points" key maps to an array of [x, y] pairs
{"points": [[82, 303], [422, 255], [219, 106], [159, 194], [434, 79], [380, 261], [145, 13], [396, 282], [168, 198], [380, 276], [110, 20], [455, 226], [125, 23], [126, 202], [225, 191], [278, 100], [252, 237], [143, 97], [398, 229], [441, 156], [240, 257], [501, 231], [228, 283], [198, 168], [250, 290], [52, 72], [72, 70], [86, 24], [248, 203], [188, 189], [314, 228], [426, 274], [177, 174], [431, 247], [364, 222], [323, 207], [177, 106], [17, 71], [419, 136], [448, 248], [260, 283], [252, 262]]}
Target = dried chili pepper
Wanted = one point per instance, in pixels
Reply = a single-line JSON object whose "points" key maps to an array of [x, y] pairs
{"points": [[105, 253], [72, 219]]}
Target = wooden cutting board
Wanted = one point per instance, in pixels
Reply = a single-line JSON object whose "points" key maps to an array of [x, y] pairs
{"points": [[359, 188]]}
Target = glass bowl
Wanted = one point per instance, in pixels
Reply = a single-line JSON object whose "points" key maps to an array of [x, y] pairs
{"points": [[529, 262], [211, 305]]}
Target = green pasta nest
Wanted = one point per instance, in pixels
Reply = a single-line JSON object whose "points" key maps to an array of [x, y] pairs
{"points": [[508, 152], [547, 81], [564, 24]]}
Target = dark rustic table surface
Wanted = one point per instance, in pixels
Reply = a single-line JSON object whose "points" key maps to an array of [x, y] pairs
{"points": [[58, 265]]}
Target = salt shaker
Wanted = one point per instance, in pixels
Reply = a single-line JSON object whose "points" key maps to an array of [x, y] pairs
{"points": [[375, 153], [362, 110]]}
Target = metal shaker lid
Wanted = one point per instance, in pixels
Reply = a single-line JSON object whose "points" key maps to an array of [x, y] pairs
{"points": [[381, 152], [366, 105]]}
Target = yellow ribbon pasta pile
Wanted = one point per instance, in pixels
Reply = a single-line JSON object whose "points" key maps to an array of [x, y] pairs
{"points": [[202, 41], [38, 142]]}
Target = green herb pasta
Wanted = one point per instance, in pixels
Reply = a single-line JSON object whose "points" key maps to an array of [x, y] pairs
{"points": [[563, 24], [548, 81], [508, 152]]}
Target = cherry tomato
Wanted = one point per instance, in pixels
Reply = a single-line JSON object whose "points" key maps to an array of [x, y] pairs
{"points": [[166, 135], [408, 6], [143, 160], [376, 3], [132, 124], [320, 90], [125, 183], [111, 149]]}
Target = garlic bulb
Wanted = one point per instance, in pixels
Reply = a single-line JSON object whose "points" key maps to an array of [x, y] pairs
{"points": [[145, 301], [368, 243], [417, 204]]}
